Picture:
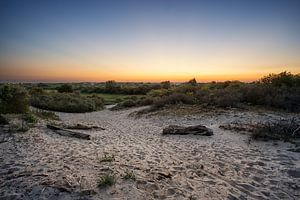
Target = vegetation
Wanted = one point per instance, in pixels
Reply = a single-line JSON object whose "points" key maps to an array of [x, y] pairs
{"points": [[45, 115], [107, 158], [285, 130], [13, 99], [65, 88], [106, 180], [110, 99], [129, 175], [3, 120], [280, 91], [30, 118], [63, 102]]}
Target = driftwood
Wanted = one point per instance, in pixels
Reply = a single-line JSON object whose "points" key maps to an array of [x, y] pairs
{"points": [[69, 133], [181, 130], [83, 127]]}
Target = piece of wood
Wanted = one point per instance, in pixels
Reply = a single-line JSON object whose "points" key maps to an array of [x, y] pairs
{"points": [[83, 127], [69, 133], [181, 130]]}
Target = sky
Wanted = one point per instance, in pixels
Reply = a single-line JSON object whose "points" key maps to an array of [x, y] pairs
{"points": [[126, 40]]}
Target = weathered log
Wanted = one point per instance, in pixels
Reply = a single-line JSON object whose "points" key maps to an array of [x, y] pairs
{"points": [[83, 127], [181, 130], [69, 133]]}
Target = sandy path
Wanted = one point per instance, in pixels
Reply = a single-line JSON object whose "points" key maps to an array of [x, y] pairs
{"points": [[224, 166]]}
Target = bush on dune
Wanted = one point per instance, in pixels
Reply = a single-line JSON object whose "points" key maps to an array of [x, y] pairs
{"points": [[176, 98], [65, 88], [279, 130], [63, 102], [13, 99]]}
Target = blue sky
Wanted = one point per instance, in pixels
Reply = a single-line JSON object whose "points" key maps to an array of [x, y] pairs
{"points": [[147, 40]]}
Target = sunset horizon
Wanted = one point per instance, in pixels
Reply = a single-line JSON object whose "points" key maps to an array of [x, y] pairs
{"points": [[147, 41]]}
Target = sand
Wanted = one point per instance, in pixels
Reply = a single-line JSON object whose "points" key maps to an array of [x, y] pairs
{"points": [[40, 164]]}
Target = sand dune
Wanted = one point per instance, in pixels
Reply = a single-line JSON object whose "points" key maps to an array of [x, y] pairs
{"points": [[43, 165]]}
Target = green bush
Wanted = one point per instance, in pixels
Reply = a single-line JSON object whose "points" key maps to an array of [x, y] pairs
{"points": [[65, 88], [106, 180], [46, 115], [30, 118], [159, 92], [13, 99], [63, 102], [172, 99], [282, 79]]}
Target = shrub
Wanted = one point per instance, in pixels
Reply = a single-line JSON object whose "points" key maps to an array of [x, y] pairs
{"points": [[287, 98], [30, 118], [67, 102], [225, 98], [282, 79], [129, 176], [107, 158], [46, 114], [3, 120], [128, 103], [106, 180], [36, 90], [165, 85], [279, 130], [145, 101], [65, 88], [172, 99], [203, 96], [159, 92], [192, 82], [13, 99]]}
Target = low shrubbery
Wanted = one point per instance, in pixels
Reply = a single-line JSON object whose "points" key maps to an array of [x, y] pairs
{"points": [[129, 175], [45, 115], [62, 102], [65, 88], [134, 102], [176, 98], [106, 180], [13, 99], [3, 120], [286, 130]]}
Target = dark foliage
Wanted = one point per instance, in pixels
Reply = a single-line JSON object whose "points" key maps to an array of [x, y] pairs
{"points": [[279, 130], [13, 99], [176, 98], [3, 120], [65, 88], [67, 102]]}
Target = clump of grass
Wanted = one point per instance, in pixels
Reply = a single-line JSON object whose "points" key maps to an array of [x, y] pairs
{"points": [[30, 118], [13, 128], [107, 158], [106, 180], [129, 176], [47, 115], [285, 130]]}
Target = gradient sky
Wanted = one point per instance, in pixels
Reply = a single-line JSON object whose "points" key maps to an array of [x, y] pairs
{"points": [[84, 40]]}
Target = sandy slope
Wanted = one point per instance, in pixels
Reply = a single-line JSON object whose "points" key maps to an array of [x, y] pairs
{"points": [[43, 165]]}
